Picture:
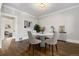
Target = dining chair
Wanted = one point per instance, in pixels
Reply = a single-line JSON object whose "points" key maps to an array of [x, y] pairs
{"points": [[52, 42], [32, 40]]}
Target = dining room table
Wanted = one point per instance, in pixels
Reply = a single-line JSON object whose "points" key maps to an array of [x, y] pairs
{"points": [[42, 37]]}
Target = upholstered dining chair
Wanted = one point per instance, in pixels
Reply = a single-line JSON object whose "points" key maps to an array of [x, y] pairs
{"points": [[32, 40], [52, 42]]}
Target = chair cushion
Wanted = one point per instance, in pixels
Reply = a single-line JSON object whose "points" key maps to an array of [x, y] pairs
{"points": [[34, 41], [50, 41]]}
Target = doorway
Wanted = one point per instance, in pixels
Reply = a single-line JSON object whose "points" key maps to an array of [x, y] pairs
{"points": [[9, 26]]}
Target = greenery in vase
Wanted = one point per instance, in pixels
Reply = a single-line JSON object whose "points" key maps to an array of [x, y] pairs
{"points": [[37, 28]]}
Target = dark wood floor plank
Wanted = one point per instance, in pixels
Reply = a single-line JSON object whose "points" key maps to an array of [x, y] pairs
{"points": [[64, 49]]}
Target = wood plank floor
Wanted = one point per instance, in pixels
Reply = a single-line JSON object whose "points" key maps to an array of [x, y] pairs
{"points": [[64, 49]]}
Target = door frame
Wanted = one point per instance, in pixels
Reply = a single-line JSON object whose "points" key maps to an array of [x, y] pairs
{"points": [[15, 25]]}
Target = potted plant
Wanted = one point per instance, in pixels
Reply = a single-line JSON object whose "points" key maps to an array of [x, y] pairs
{"points": [[37, 28]]}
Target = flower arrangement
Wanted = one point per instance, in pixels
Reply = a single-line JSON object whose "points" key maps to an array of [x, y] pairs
{"points": [[42, 29]]}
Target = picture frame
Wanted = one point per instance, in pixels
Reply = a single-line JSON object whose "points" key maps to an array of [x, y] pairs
{"points": [[27, 24]]}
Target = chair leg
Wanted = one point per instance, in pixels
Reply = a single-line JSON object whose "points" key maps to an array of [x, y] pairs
{"points": [[49, 46], [40, 47], [56, 48], [52, 51], [33, 49], [29, 46], [45, 47]]}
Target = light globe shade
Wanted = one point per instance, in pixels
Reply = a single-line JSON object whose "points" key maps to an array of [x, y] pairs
{"points": [[41, 6]]}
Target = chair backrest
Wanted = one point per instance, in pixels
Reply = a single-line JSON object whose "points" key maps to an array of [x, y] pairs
{"points": [[30, 35], [55, 37]]}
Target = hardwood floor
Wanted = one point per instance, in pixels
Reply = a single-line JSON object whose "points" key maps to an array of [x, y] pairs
{"points": [[64, 49]]}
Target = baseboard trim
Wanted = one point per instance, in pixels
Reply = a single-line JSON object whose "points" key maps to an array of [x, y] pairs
{"points": [[61, 40], [73, 41]]}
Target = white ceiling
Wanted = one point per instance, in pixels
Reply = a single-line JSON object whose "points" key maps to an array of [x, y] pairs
{"points": [[31, 9]]}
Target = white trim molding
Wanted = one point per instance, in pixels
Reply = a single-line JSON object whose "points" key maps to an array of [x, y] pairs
{"points": [[59, 11], [15, 21], [72, 41], [7, 6], [6, 14]]}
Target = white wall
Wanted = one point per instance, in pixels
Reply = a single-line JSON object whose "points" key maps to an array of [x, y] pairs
{"points": [[69, 18], [0, 26], [21, 16]]}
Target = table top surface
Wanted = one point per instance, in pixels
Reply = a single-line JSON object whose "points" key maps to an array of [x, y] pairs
{"points": [[43, 34]]}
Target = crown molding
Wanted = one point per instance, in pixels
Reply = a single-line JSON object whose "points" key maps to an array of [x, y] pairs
{"points": [[59, 11], [18, 10]]}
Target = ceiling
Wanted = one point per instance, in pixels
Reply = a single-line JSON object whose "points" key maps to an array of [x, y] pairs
{"points": [[33, 10]]}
